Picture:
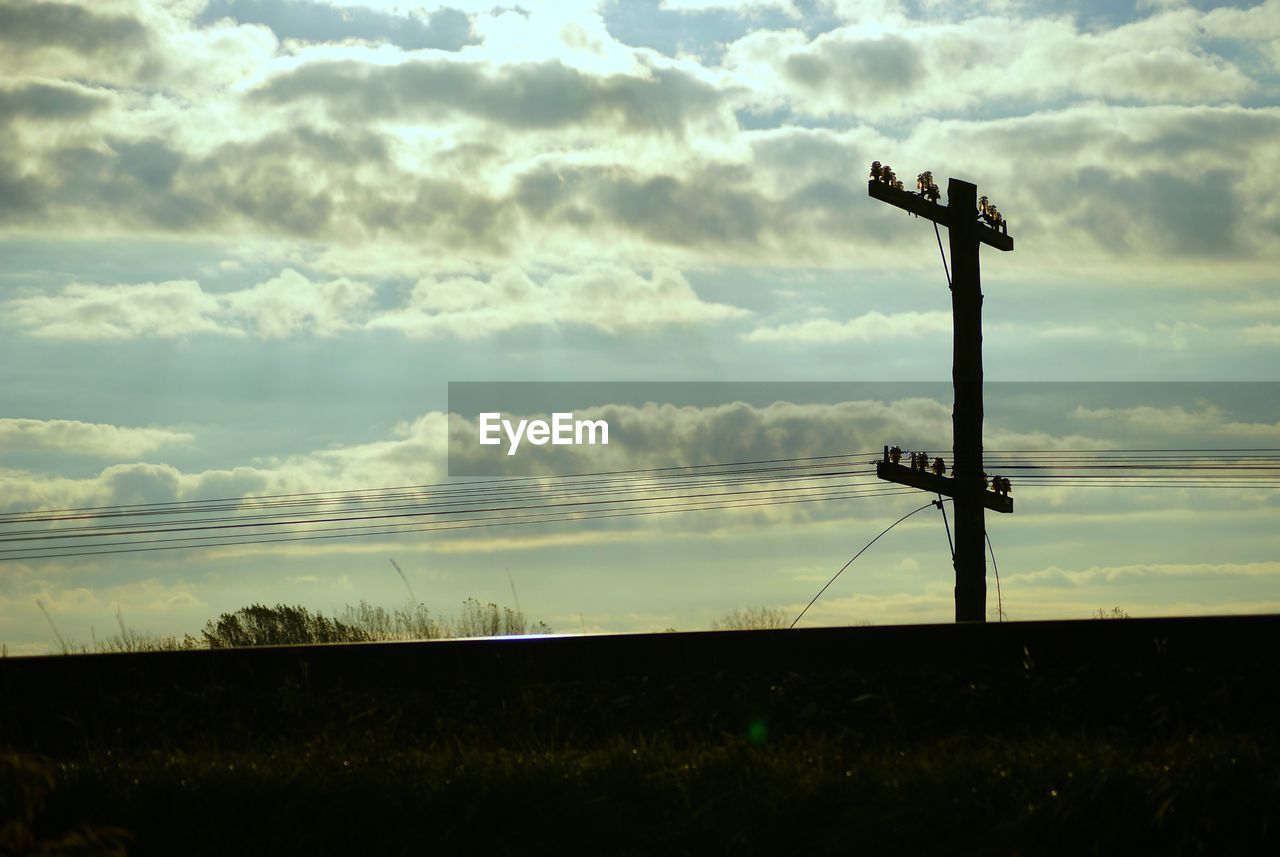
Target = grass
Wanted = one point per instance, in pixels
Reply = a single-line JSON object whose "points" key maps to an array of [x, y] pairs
{"points": [[1132, 751], [284, 624], [741, 619], [1058, 793]]}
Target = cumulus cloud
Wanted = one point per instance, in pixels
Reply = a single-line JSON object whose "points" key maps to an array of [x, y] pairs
{"points": [[1257, 25], [1262, 334], [290, 303], [417, 451], [414, 453], [642, 154], [1142, 185], [1055, 576], [48, 101], [73, 437], [270, 157], [665, 435], [68, 35], [657, 435], [528, 96], [82, 311], [306, 20], [606, 298], [124, 44], [1150, 183], [870, 327], [351, 145], [285, 305], [742, 6], [926, 67], [879, 69], [1205, 421]]}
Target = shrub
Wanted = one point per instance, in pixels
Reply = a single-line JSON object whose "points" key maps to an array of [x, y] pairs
{"points": [[751, 617], [259, 625], [490, 621], [285, 624], [411, 622]]}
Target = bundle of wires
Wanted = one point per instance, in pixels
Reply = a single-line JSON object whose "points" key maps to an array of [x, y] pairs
{"points": [[457, 505], [483, 503], [1139, 468]]}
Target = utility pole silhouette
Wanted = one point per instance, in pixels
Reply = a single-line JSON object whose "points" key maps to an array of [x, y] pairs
{"points": [[970, 222]]}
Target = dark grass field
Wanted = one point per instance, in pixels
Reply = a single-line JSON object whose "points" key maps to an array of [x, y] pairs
{"points": [[1126, 736]]}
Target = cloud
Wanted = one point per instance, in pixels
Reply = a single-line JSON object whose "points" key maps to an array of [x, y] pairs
{"points": [[282, 183], [1257, 25], [286, 305], [528, 96], [1201, 422], [123, 44], [606, 298], [290, 304], [1150, 183], [30, 27], [1084, 331], [666, 435], [443, 29], [72, 437], [415, 453], [1196, 216], [901, 67], [1055, 576], [870, 327], [787, 198], [714, 207], [1262, 334], [76, 608], [731, 212], [48, 102], [133, 482], [878, 69], [479, 156], [934, 603], [79, 311], [787, 7]]}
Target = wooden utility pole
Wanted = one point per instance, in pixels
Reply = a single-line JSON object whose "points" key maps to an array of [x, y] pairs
{"points": [[967, 484]]}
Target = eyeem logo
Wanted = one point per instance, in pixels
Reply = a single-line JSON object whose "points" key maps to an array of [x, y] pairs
{"points": [[562, 430]]}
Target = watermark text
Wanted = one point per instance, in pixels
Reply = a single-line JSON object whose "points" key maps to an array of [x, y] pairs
{"points": [[563, 430]]}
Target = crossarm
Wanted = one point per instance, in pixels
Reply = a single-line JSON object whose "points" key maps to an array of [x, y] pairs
{"points": [[940, 214], [927, 481]]}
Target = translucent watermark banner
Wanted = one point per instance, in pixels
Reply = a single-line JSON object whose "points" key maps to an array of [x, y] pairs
{"points": [[512, 429]]}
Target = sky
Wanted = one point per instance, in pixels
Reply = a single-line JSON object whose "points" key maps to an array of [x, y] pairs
{"points": [[245, 246]]}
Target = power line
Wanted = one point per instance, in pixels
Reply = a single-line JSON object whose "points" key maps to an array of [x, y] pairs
{"points": [[154, 545], [541, 499], [496, 483], [855, 556], [950, 545], [54, 535], [1038, 460], [996, 569], [945, 269], [517, 495]]}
